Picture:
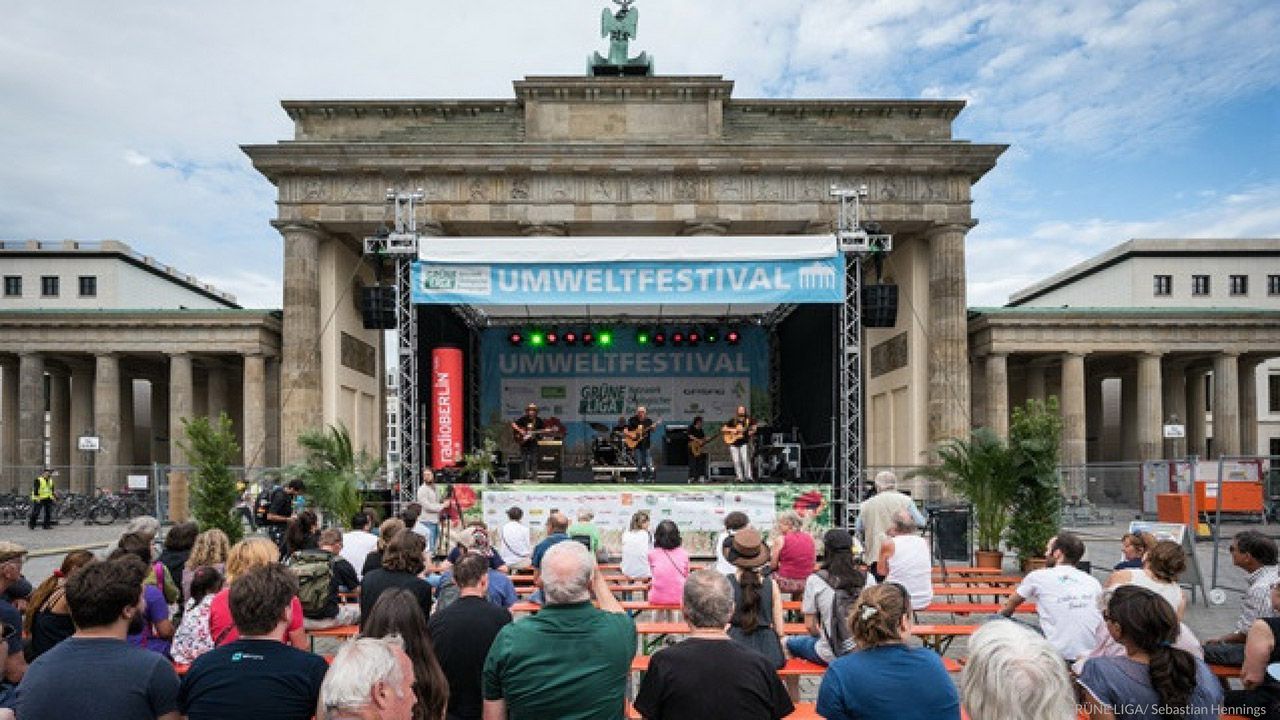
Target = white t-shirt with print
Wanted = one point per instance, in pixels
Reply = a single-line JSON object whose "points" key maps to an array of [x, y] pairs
{"points": [[1067, 602]]}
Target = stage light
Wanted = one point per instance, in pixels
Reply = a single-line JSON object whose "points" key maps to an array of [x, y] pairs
{"points": [[713, 337], [642, 337], [570, 338], [588, 338], [552, 338], [605, 339], [516, 339], [537, 339], [694, 337], [733, 337], [677, 338], [659, 338]]}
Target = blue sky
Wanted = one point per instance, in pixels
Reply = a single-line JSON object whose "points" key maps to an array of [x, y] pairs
{"points": [[1133, 118]]}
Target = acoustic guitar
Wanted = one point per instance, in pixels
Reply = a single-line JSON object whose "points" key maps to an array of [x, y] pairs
{"points": [[633, 438], [698, 446], [734, 433], [524, 436]]}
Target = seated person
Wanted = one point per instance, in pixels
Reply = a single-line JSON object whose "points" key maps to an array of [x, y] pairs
{"points": [[1261, 694], [1133, 546], [325, 608], [1254, 553]]}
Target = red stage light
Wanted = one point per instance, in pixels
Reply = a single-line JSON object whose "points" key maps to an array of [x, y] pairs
{"points": [[570, 338], [516, 338], [677, 338], [552, 338], [694, 338], [588, 338], [660, 338], [733, 337]]}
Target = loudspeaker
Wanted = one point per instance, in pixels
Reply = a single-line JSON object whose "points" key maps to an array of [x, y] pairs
{"points": [[951, 532], [879, 306], [378, 307], [675, 446]]}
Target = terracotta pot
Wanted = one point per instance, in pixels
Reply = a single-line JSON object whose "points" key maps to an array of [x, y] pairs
{"points": [[989, 559], [1035, 563]]}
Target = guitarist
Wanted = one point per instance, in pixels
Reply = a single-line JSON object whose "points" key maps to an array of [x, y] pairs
{"points": [[527, 429], [737, 435], [638, 427], [697, 451]]}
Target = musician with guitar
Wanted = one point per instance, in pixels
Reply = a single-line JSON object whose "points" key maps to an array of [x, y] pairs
{"points": [[737, 434], [698, 442], [527, 429], [637, 439]]}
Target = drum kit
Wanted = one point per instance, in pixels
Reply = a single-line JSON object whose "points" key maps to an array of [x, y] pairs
{"points": [[607, 448]]}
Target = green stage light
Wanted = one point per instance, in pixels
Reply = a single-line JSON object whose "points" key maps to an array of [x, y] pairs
{"points": [[605, 338], [537, 339], [642, 337]]}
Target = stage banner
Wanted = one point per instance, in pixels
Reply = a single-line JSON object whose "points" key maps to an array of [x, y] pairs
{"points": [[698, 511], [585, 385], [447, 398], [763, 281]]}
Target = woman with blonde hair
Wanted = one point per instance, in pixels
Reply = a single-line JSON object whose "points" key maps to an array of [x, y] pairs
{"points": [[793, 554], [884, 677], [245, 555], [387, 532], [210, 550], [637, 541]]}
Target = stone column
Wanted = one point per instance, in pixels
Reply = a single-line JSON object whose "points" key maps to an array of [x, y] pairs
{"points": [[60, 424], [82, 417], [300, 375], [1249, 407], [9, 421], [1196, 430], [1174, 401], [1035, 381], [128, 421], [1093, 418], [1226, 405], [1074, 439], [1129, 417], [159, 422], [998, 393], [1150, 407], [272, 455], [254, 406], [181, 405], [948, 335], [217, 389], [31, 404], [106, 420]]}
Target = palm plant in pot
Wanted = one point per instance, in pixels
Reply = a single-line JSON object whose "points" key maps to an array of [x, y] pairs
{"points": [[1035, 432], [980, 469]]}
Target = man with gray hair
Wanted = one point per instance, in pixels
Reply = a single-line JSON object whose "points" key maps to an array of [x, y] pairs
{"points": [[875, 516], [905, 559], [370, 679], [676, 685], [1014, 671], [571, 659]]}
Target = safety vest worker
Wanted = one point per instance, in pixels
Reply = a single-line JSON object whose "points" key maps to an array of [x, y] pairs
{"points": [[43, 489]]}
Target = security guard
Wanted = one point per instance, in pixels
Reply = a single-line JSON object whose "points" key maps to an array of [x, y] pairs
{"points": [[42, 497]]}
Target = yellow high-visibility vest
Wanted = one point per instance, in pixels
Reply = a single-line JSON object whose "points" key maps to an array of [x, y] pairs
{"points": [[44, 489]]}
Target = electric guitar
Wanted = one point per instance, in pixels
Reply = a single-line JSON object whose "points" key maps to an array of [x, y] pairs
{"points": [[633, 438], [698, 446], [524, 436]]}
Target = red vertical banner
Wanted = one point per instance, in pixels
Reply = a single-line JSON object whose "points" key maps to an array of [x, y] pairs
{"points": [[446, 407]]}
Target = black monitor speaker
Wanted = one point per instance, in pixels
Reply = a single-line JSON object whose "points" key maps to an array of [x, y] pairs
{"points": [[879, 306], [378, 307]]}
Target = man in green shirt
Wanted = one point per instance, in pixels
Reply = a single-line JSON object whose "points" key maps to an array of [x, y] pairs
{"points": [[570, 660], [586, 528]]}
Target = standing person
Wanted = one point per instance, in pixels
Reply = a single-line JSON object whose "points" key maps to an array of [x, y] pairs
{"points": [[757, 616], [586, 528], [637, 541], [210, 550], [95, 673], [527, 429], [246, 555], [1066, 598], [192, 638], [12, 557], [697, 451], [370, 679], [793, 553], [905, 559], [1154, 679], [402, 566], [676, 685], [48, 617], [738, 433], [430, 504], [875, 516], [1254, 553], [280, 509], [398, 612], [463, 633], [256, 676], [733, 522], [1013, 672], [42, 497], [359, 542], [514, 543], [640, 432], [571, 660], [668, 564], [884, 679], [828, 594]]}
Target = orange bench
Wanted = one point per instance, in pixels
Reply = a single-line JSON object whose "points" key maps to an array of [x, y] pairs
{"points": [[975, 608], [803, 711], [795, 667], [633, 606]]}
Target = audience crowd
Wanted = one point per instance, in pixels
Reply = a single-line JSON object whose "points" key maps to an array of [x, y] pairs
{"points": [[189, 625]]}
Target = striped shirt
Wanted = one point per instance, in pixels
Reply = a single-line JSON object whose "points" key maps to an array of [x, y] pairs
{"points": [[1257, 599]]}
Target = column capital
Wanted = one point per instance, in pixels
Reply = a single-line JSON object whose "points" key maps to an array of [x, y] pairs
{"points": [[1228, 354], [705, 227], [955, 227], [430, 228], [537, 229], [820, 227], [1074, 354], [1151, 353], [285, 227]]}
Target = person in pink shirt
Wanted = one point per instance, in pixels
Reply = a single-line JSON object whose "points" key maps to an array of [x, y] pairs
{"points": [[244, 556], [793, 554], [668, 564]]}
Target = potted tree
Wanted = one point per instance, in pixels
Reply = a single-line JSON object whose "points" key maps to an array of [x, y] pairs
{"points": [[479, 462], [1035, 432], [334, 472], [211, 448], [980, 469]]}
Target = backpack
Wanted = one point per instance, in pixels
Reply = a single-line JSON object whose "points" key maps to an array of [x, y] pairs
{"points": [[262, 503], [841, 637], [447, 593], [314, 570]]}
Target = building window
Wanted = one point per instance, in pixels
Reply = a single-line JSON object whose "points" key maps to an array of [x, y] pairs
{"points": [[1273, 284], [1273, 392], [1199, 284], [1239, 284], [49, 286], [88, 286], [13, 286], [1164, 285]]}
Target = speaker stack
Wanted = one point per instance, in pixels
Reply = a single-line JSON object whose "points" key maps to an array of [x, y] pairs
{"points": [[879, 306], [378, 307]]}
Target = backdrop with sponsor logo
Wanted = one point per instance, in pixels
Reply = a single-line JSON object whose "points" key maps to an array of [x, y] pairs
{"points": [[581, 385]]}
